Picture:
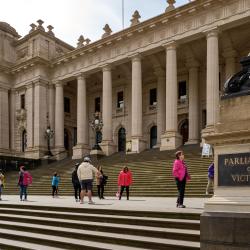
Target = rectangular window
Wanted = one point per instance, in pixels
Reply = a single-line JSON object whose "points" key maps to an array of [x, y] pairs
{"points": [[182, 91], [22, 100], [98, 104], [153, 97], [66, 105], [120, 101]]}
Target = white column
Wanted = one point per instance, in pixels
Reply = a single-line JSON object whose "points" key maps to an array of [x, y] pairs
{"points": [[193, 104], [29, 106], [212, 78], [161, 103], [12, 118], [4, 122], [107, 104], [59, 117], [171, 138], [52, 110], [40, 119], [136, 130]]}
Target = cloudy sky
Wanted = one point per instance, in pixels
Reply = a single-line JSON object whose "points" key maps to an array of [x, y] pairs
{"points": [[71, 18]]}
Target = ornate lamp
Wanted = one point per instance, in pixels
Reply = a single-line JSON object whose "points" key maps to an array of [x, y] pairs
{"points": [[96, 124], [49, 134]]}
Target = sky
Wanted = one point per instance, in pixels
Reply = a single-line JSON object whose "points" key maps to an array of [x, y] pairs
{"points": [[72, 18]]}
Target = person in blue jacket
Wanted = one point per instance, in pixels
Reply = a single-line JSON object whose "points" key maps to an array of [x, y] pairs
{"points": [[210, 183], [55, 184]]}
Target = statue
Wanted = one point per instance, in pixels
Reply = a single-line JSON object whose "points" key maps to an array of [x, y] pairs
{"points": [[239, 84]]}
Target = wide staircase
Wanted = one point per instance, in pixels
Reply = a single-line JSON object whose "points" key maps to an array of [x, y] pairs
{"points": [[51, 228], [152, 174]]}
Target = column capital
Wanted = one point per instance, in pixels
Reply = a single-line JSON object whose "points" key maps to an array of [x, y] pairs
{"points": [[40, 82], [171, 45], [106, 67], [29, 85], [213, 32], [81, 76], [136, 57], [58, 83]]}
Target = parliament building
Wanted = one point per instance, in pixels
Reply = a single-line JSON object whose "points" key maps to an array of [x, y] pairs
{"points": [[155, 84]]}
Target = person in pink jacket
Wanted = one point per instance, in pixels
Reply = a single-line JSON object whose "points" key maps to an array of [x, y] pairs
{"points": [[181, 175], [124, 181], [24, 180]]}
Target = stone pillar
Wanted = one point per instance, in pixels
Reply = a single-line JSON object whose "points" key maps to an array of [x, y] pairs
{"points": [[229, 63], [193, 103], [40, 119], [107, 133], [138, 144], [82, 147], [171, 139], [4, 122], [59, 118], [29, 105], [52, 111], [12, 118], [161, 103], [212, 79]]}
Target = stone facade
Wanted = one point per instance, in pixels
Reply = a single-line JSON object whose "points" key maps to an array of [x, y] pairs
{"points": [[186, 53]]}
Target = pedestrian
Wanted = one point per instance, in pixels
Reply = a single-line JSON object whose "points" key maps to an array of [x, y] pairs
{"points": [[180, 172], [101, 181], [1, 183], [24, 180], [124, 181], [210, 183], [76, 183], [86, 171], [55, 184]]}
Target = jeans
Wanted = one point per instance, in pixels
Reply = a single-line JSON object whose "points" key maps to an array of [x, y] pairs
{"points": [[100, 190], [54, 190], [127, 191], [210, 185], [181, 190], [23, 192]]}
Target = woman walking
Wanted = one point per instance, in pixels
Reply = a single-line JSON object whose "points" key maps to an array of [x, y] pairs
{"points": [[124, 181], [181, 175], [24, 180], [55, 183], [76, 183]]}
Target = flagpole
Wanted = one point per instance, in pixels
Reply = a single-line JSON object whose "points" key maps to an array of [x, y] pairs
{"points": [[122, 14]]}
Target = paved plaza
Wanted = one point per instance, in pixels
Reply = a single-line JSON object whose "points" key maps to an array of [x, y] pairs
{"points": [[157, 204]]}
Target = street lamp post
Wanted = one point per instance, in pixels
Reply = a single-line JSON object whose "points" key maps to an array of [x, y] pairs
{"points": [[96, 124], [49, 133]]}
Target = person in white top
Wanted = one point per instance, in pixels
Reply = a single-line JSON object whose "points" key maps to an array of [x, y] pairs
{"points": [[86, 172]]}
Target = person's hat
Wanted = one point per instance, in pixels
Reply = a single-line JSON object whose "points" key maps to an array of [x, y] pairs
{"points": [[86, 159]]}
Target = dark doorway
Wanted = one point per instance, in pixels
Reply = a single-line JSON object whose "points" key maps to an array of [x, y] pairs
{"points": [[184, 131], [24, 140], [122, 140], [153, 136], [66, 139]]}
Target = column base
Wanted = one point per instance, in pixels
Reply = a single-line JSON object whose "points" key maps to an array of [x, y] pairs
{"points": [[35, 152], [170, 140], [192, 142], [80, 150], [137, 145], [59, 153], [108, 147]]}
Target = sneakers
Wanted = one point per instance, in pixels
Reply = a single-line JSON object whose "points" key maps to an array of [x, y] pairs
{"points": [[181, 206]]}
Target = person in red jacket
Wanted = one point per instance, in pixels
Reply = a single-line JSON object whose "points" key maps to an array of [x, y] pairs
{"points": [[181, 175], [24, 180], [124, 181]]}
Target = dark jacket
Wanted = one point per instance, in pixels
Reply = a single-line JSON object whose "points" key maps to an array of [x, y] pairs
{"points": [[211, 171], [75, 180]]}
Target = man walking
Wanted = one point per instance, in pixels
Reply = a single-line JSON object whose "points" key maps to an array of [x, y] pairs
{"points": [[86, 172]]}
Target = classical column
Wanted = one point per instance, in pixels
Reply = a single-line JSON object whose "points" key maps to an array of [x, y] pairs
{"points": [[12, 118], [29, 105], [107, 132], [52, 110], [171, 138], [59, 118], [161, 103], [212, 78], [82, 119], [4, 121], [230, 65], [136, 130], [193, 103], [40, 119]]}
